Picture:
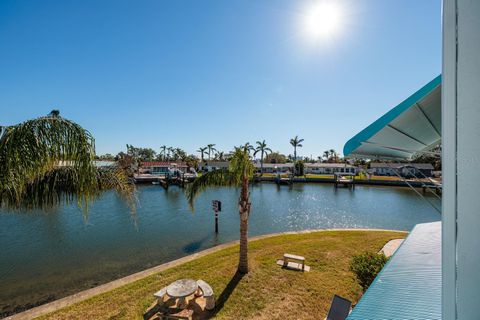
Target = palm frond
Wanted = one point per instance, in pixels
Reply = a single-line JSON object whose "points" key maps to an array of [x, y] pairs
{"points": [[217, 178], [50, 159], [239, 167], [59, 186]]}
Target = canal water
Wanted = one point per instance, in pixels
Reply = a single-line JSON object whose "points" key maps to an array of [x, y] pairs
{"points": [[48, 255]]}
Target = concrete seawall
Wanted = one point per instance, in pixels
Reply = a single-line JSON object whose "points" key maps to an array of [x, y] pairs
{"points": [[392, 183]]}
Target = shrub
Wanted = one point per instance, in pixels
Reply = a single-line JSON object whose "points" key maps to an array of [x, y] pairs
{"points": [[299, 168], [366, 266]]}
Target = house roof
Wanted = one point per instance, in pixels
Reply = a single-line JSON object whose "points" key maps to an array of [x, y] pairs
{"points": [[412, 126], [215, 163], [328, 165], [273, 165], [162, 164], [423, 166]]}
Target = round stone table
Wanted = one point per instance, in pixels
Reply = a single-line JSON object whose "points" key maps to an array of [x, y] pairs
{"points": [[181, 289]]}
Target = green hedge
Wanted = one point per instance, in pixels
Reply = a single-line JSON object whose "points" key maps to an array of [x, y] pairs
{"points": [[366, 266]]}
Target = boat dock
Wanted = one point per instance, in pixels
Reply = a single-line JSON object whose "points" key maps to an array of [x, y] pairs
{"points": [[164, 180], [346, 180], [285, 180]]}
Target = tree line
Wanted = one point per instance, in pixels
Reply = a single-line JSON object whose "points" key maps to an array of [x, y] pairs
{"points": [[211, 153]]}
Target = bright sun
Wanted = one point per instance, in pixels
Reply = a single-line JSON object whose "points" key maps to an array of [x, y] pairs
{"points": [[322, 20]]}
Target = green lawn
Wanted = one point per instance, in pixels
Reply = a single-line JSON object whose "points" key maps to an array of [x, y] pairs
{"points": [[318, 176], [267, 292]]}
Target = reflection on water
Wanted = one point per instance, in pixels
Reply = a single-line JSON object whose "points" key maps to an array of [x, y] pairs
{"points": [[49, 255]]}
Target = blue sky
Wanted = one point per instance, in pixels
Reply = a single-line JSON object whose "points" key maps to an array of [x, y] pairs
{"points": [[189, 73]]}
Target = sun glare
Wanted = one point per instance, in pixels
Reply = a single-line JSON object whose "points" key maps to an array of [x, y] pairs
{"points": [[322, 20]]}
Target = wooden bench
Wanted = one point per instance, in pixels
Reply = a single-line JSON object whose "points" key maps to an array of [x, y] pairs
{"points": [[288, 256], [207, 293]]}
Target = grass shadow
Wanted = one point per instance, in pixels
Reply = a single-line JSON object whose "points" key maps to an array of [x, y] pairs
{"points": [[223, 297]]}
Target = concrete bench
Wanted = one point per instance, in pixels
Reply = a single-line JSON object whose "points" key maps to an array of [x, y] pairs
{"points": [[288, 256], [207, 292], [160, 295]]}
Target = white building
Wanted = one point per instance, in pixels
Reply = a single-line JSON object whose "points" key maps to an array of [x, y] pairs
{"points": [[207, 165], [330, 168], [274, 167], [419, 170], [162, 167]]}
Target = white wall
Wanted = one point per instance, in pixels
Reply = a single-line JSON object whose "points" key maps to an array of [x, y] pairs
{"points": [[461, 158]]}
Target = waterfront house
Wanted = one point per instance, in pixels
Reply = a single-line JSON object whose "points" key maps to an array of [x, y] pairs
{"points": [[274, 167], [208, 165], [406, 170], [162, 167], [329, 168]]}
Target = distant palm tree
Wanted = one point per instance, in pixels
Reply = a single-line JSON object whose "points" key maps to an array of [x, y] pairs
{"points": [[220, 156], [262, 148], [50, 159], [247, 146], [296, 143], [238, 174], [202, 151], [326, 154], [174, 154], [333, 154], [169, 152], [210, 148], [163, 150], [180, 154]]}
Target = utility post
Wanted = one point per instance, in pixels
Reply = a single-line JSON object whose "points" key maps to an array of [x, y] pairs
{"points": [[217, 207]]}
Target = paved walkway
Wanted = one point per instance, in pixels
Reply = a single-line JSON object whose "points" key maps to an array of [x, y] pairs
{"points": [[391, 246]]}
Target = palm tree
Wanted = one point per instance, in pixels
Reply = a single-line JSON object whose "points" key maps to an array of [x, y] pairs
{"points": [[220, 156], [333, 154], [296, 143], [326, 154], [203, 151], [262, 148], [163, 150], [180, 154], [238, 174], [210, 148], [248, 147], [169, 151], [49, 160]]}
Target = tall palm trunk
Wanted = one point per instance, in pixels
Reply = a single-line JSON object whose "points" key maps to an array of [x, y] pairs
{"points": [[294, 160], [261, 164], [244, 208]]}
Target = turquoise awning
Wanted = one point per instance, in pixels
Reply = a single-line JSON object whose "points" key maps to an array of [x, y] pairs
{"points": [[411, 127]]}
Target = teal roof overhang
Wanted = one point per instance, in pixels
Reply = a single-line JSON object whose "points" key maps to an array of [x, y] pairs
{"points": [[410, 285], [413, 126]]}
